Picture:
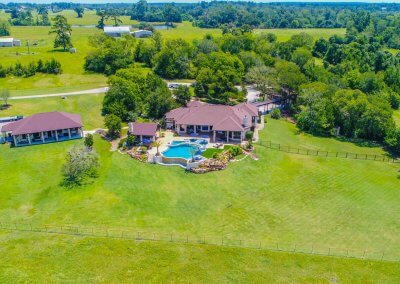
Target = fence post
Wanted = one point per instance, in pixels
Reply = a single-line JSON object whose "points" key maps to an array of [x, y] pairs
{"points": [[329, 251], [383, 254], [259, 246], [347, 154], [171, 238], [294, 250], [364, 254], [312, 249]]}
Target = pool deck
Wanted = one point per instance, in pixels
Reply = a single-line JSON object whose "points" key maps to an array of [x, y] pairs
{"points": [[169, 137]]}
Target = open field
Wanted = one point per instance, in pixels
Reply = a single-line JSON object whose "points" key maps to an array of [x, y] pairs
{"points": [[88, 106], [285, 34], [73, 78], [313, 202], [59, 258]]}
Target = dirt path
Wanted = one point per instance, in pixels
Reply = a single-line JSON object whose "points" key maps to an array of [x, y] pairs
{"points": [[85, 92]]}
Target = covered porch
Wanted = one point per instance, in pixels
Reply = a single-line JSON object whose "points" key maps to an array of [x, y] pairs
{"points": [[47, 137]]}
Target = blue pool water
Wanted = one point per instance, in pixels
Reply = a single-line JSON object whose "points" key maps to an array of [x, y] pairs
{"points": [[181, 150]]}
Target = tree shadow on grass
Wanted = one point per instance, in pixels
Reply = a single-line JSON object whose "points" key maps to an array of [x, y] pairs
{"points": [[5, 107]]}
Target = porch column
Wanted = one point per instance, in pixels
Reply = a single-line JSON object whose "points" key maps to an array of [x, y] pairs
{"points": [[214, 135], [241, 136], [80, 132], [42, 135], [69, 133], [141, 138], [194, 128], [56, 135], [227, 136], [15, 141], [29, 139]]}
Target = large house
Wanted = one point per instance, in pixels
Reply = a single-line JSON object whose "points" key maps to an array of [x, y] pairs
{"points": [[43, 128], [220, 122]]}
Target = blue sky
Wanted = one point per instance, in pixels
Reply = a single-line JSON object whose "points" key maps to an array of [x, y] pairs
{"points": [[183, 1]]}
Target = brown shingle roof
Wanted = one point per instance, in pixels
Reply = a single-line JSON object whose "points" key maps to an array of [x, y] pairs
{"points": [[221, 117], [144, 129], [48, 121]]}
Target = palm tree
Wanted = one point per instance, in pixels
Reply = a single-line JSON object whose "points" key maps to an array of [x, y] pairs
{"points": [[156, 144]]}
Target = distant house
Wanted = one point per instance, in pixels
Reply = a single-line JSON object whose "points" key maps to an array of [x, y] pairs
{"points": [[9, 42], [219, 122], [117, 31], [144, 132], [142, 33], [43, 128]]}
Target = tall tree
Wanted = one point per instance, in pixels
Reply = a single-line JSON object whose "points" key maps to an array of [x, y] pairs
{"points": [[5, 95], [102, 21], [4, 29], [114, 15], [63, 32], [79, 11]]}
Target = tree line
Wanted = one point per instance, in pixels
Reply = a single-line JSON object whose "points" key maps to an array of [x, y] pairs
{"points": [[47, 67]]}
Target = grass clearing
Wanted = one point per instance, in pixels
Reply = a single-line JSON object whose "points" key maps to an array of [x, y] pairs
{"points": [[286, 34], [59, 258], [291, 199], [88, 106], [74, 76], [397, 117]]}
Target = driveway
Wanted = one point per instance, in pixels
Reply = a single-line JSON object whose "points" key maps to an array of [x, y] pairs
{"points": [[85, 92]]}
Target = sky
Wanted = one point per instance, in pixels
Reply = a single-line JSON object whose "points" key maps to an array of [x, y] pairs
{"points": [[186, 1]]}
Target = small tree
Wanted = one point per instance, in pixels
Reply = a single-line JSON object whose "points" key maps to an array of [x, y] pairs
{"points": [[89, 141], [130, 141], [4, 28], [79, 10], [80, 164], [276, 113], [114, 125], [63, 32], [156, 144], [249, 137], [5, 95], [182, 95]]}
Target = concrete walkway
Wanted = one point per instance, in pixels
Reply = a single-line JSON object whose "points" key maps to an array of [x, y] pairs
{"points": [[85, 92]]}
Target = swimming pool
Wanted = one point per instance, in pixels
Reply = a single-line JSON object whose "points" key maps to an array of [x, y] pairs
{"points": [[182, 149]]}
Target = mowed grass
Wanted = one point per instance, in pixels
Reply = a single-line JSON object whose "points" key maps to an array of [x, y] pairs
{"points": [[316, 33], [397, 117], [58, 258], [315, 203], [73, 77], [88, 106]]}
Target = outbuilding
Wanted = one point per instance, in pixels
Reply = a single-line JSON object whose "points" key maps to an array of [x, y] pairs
{"points": [[117, 31], [43, 128], [144, 132], [9, 42], [142, 33]]}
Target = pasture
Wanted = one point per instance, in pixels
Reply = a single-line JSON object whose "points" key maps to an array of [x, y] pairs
{"points": [[88, 106], [73, 77], [60, 258], [314, 202]]}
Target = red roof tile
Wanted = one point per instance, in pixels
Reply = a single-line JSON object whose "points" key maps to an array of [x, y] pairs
{"points": [[144, 129], [40, 122]]}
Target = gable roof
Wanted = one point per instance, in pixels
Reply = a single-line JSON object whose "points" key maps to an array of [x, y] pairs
{"points": [[6, 39], [40, 122], [221, 117], [144, 129]]}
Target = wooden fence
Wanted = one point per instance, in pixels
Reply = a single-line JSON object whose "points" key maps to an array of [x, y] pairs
{"points": [[323, 153]]}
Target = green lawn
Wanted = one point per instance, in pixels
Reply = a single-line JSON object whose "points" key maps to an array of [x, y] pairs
{"points": [[397, 116], [290, 199], [73, 78], [88, 106], [210, 151], [286, 34], [58, 258]]}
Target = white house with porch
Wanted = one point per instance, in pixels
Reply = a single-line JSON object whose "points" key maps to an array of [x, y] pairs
{"points": [[43, 128], [221, 123]]}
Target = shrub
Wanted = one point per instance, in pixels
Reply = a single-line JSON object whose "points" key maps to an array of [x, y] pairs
{"points": [[88, 141], [276, 113], [249, 135], [235, 151], [130, 141]]}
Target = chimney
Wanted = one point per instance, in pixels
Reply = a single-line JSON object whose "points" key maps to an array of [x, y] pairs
{"points": [[245, 121]]}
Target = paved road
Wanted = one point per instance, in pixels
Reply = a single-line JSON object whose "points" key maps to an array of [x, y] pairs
{"points": [[91, 91]]}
